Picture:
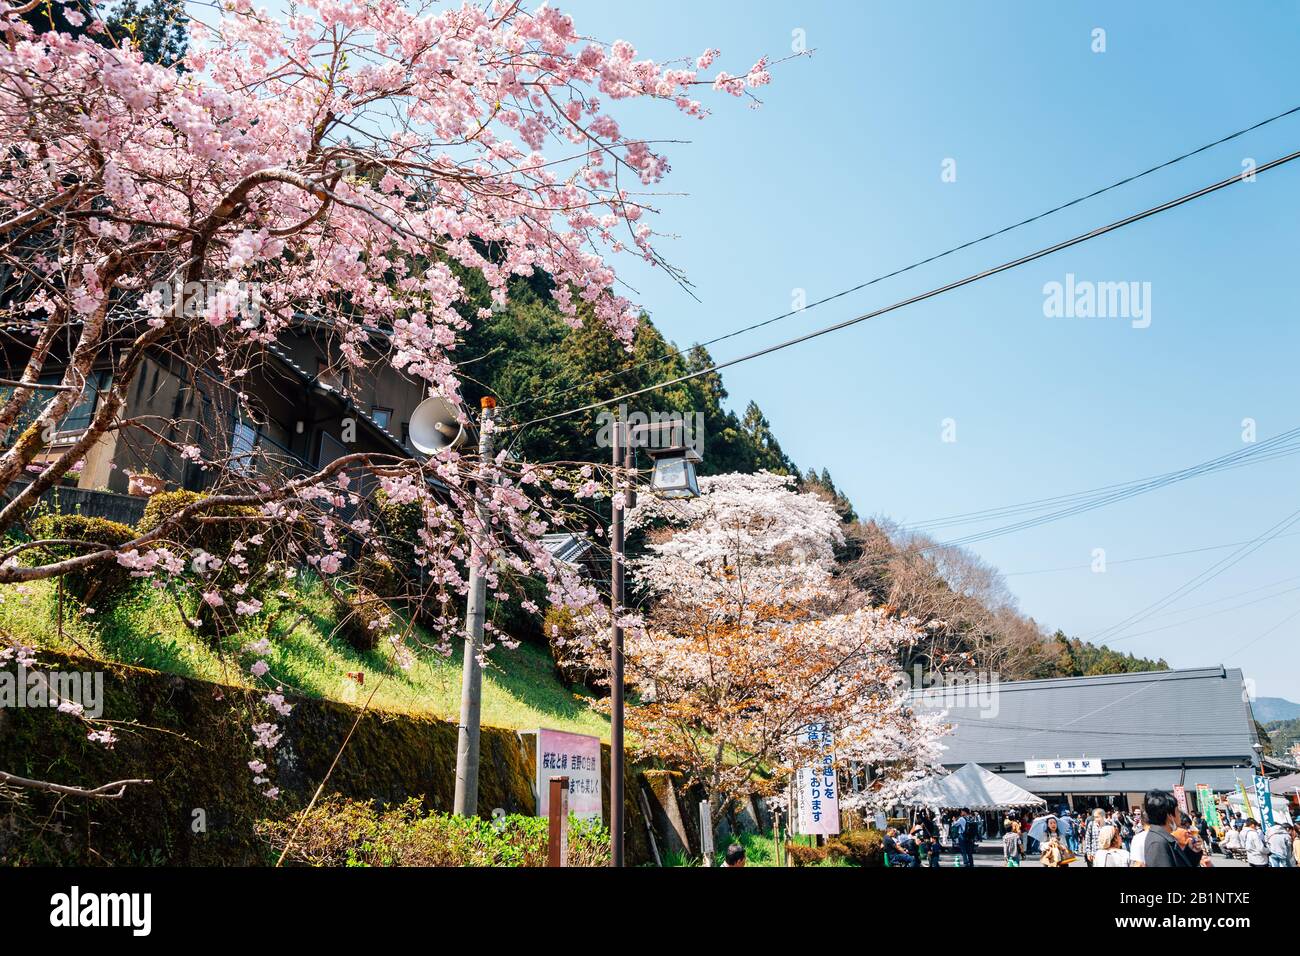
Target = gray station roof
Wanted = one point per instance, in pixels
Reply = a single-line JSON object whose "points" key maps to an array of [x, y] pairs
{"points": [[1178, 714], [1218, 779]]}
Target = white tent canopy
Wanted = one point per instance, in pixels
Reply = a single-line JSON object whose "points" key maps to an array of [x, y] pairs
{"points": [[975, 788], [1280, 812], [1288, 786]]}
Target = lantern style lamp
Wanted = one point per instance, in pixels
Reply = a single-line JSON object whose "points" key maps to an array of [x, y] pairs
{"points": [[673, 477], [674, 473]]}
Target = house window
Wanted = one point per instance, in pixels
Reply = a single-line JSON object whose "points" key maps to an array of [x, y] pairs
{"points": [[329, 374], [78, 418], [382, 416], [330, 449], [242, 442]]}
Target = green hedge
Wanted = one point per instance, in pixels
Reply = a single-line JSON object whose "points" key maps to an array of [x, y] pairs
{"points": [[214, 537], [104, 581], [389, 562], [367, 616], [342, 832]]}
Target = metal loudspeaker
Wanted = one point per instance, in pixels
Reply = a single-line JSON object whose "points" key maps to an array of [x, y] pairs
{"points": [[435, 425]]}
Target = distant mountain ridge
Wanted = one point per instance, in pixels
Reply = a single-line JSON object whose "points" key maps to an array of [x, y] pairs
{"points": [[1268, 709]]}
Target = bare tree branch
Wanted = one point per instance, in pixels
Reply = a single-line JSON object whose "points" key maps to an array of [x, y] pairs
{"points": [[109, 791]]}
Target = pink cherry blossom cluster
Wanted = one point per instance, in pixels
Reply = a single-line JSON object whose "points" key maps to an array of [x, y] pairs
{"points": [[351, 162], [780, 543], [348, 191], [469, 97], [266, 733], [23, 655]]}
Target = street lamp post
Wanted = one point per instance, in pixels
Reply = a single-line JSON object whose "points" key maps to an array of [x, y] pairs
{"points": [[616, 657], [674, 477]]}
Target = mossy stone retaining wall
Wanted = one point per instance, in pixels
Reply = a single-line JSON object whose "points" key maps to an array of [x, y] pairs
{"points": [[192, 738]]}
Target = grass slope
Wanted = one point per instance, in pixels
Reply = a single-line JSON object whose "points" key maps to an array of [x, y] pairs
{"points": [[520, 688]]}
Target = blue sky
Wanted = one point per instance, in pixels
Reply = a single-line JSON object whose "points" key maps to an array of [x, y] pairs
{"points": [[837, 179]]}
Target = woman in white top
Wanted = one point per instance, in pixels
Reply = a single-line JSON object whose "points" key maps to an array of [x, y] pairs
{"points": [[1232, 841], [1137, 848], [1111, 850]]}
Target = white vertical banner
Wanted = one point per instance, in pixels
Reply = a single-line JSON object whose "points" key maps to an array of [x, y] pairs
{"points": [[818, 789], [706, 833]]}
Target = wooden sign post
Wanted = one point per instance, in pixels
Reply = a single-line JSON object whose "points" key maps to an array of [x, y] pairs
{"points": [[557, 848]]}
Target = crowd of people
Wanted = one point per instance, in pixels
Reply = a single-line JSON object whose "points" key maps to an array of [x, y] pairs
{"points": [[923, 843], [1157, 834]]}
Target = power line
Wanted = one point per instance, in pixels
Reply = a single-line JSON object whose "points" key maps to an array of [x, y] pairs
{"points": [[1238, 459], [1202, 617], [1284, 444], [932, 293], [1235, 459], [1095, 503], [659, 360], [1145, 557], [1213, 571], [1239, 594], [1259, 637], [1090, 500], [1081, 502]]}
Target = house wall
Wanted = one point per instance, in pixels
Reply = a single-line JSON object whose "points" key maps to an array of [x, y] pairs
{"points": [[315, 426], [299, 425], [171, 405], [97, 472], [282, 402]]}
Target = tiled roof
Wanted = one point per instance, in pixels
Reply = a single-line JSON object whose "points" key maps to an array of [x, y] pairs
{"points": [[569, 548]]}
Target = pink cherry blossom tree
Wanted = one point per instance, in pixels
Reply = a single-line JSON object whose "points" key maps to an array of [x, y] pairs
{"points": [[747, 636], [341, 169]]}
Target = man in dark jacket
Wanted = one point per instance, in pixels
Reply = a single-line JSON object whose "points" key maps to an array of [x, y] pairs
{"points": [[894, 852], [964, 835], [1162, 848], [1069, 831]]}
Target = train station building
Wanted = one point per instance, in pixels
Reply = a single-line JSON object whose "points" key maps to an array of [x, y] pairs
{"points": [[1104, 741]]}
